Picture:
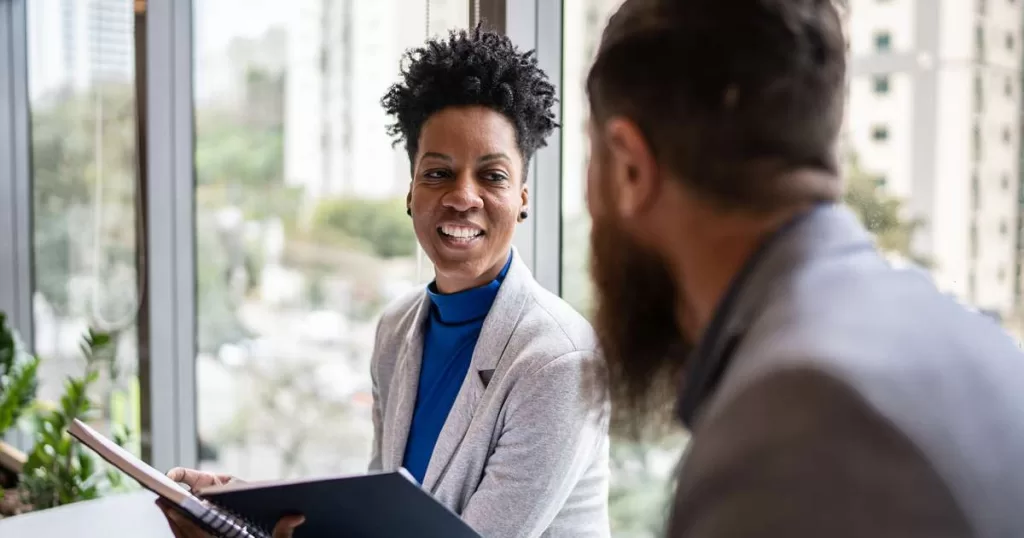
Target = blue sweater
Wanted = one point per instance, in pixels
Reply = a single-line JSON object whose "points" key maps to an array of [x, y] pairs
{"points": [[449, 337]]}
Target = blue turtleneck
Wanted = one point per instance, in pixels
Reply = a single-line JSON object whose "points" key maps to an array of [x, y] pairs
{"points": [[449, 337]]}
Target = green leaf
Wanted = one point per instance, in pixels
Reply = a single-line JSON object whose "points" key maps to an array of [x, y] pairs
{"points": [[18, 376], [86, 463]]}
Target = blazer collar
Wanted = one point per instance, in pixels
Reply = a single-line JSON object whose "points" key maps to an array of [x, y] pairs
{"points": [[484, 370], [825, 230]]}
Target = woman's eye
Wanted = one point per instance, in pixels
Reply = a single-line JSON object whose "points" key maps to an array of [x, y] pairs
{"points": [[436, 174], [495, 176]]}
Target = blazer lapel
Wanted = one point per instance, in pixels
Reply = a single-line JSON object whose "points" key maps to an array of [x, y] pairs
{"points": [[404, 386], [494, 336]]}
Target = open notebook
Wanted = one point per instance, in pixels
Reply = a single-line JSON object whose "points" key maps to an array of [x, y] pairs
{"points": [[212, 518], [376, 505]]}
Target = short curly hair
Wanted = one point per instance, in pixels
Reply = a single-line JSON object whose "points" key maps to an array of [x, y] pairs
{"points": [[472, 67]]}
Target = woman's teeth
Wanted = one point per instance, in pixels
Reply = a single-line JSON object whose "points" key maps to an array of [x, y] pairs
{"points": [[461, 232]]}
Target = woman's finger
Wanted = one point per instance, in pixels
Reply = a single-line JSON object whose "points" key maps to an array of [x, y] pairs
{"points": [[286, 526], [196, 479]]}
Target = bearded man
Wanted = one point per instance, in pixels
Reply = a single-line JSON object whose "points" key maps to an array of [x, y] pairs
{"points": [[826, 392]]}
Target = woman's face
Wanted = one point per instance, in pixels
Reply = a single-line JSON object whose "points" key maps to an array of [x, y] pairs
{"points": [[466, 195]]}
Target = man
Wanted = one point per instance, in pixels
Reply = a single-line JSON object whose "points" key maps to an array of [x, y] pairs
{"points": [[827, 393]]}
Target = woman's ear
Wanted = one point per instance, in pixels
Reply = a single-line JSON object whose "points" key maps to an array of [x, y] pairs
{"points": [[524, 209]]}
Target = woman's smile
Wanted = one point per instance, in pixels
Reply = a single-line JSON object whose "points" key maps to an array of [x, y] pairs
{"points": [[461, 234]]}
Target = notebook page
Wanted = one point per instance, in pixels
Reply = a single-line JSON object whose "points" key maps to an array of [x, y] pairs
{"points": [[147, 476]]}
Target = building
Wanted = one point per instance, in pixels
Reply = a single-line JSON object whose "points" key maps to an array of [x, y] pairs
{"points": [[342, 57], [934, 112], [75, 44], [583, 22]]}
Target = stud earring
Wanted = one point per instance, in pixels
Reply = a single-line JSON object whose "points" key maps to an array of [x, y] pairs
{"points": [[408, 211], [523, 214]]}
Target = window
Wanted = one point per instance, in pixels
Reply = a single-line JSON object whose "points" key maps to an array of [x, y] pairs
{"points": [[880, 133], [975, 192], [979, 94], [979, 44], [976, 142], [973, 238], [881, 83], [83, 177], [301, 239], [883, 41]]}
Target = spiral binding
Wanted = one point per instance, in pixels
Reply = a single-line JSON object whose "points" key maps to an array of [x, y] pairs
{"points": [[226, 523]]}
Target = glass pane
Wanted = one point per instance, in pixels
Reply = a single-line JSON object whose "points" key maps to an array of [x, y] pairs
{"points": [[302, 236], [640, 486], [83, 124]]}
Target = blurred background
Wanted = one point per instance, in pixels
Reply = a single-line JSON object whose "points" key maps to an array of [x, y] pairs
{"points": [[211, 182]]}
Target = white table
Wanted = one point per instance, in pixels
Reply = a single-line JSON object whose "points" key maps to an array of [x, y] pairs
{"points": [[131, 514]]}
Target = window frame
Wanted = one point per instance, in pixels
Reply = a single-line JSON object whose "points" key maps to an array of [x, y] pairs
{"points": [[167, 366], [15, 179], [537, 24]]}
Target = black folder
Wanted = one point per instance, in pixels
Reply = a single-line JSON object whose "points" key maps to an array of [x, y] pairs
{"points": [[382, 505]]}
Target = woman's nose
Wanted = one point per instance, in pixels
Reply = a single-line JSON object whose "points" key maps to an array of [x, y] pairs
{"points": [[464, 194]]}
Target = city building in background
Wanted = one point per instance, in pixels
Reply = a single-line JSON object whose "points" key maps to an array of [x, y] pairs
{"points": [[934, 116], [91, 43], [343, 55]]}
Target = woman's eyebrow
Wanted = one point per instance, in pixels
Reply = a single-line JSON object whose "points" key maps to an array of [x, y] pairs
{"points": [[493, 157], [436, 155]]}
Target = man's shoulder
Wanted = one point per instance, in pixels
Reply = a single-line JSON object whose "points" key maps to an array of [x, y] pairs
{"points": [[941, 375], [885, 325]]}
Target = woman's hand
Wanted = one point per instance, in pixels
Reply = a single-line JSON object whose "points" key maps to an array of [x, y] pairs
{"points": [[196, 480], [183, 527]]}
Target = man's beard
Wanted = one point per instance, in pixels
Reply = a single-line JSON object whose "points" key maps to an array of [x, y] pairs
{"points": [[636, 324]]}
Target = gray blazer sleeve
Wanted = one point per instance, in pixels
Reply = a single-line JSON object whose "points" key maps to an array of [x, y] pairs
{"points": [[799, 454], [551, 427]]}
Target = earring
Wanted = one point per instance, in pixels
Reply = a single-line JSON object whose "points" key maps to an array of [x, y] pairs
{"points": [[408, 211], [523, 214]]}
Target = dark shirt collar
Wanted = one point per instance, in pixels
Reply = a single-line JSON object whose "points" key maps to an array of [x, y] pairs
{"points": [[824, 227], [468, 305]]}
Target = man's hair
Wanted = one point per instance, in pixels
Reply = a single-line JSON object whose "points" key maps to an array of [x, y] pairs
{"points": [[472, 67], [729, 94]]}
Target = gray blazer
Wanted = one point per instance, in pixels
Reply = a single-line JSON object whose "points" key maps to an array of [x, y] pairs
{"points": [[834, 395], [524, 452]]}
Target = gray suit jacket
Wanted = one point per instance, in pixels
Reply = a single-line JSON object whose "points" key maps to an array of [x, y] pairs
{"points": [[834, 395], [524, 452]]}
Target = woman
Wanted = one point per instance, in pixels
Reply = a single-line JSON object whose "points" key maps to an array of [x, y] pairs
{"points": [[483, 382]]}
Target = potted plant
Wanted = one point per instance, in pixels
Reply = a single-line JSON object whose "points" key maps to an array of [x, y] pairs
{"points": [[57, 470], [18, 383]]}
